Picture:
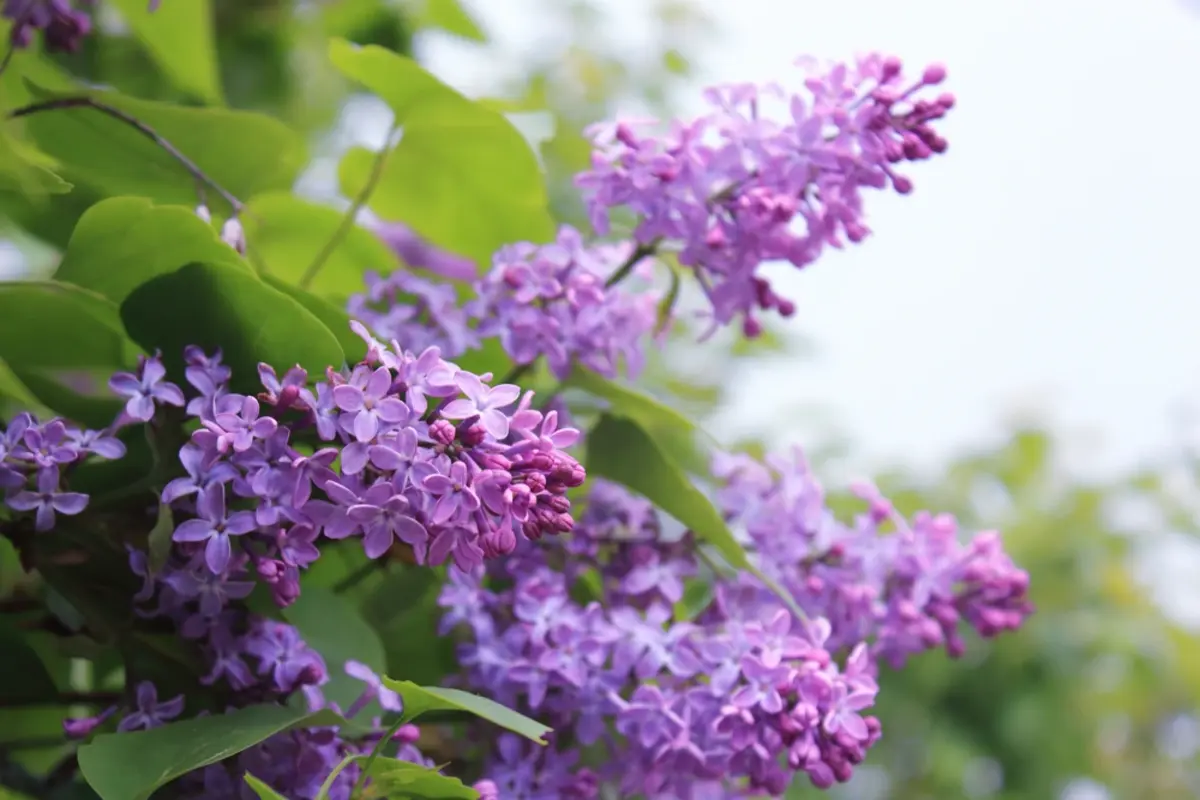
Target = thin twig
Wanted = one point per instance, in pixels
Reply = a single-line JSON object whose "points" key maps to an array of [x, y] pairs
{"points": [[639, 252], [351, 216], [62, 103]]}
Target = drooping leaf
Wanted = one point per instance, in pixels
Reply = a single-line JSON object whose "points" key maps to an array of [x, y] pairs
{"points": [[334, 318], [676, 436], [23, 677], [122, 242], [55, 325], [263, 791], [215, 305], [461, 176], [179, 37], [244, 152], [421, 699], [286, 233], [391, 777], [335, 629], [130, 766], [621, 450]]}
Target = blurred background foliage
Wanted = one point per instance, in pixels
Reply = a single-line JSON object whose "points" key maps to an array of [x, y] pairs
{"points": [[1100, 686]]}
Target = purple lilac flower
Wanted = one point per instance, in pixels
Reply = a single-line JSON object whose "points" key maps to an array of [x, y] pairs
{"points": [[740, 186], [48, 500], [551, 301], [63, 26], [149, 712], [145, 388]]}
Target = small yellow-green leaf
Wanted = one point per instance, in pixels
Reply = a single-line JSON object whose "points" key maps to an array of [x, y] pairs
{"points": [[178, 35], [421, 699]]}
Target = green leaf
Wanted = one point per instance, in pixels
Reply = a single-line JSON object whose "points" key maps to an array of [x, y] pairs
{"points": [[335, 629], [697, 595], [130, 766], [14, 394], [55, 325], [179, 37], [23, 677], [215, 305], [261, 789], [333, 317], [420, 699], [122, 242], [461, 176], [391, 777], [451, 17], [621, 450], [286, 233], [159, 540], [676, 436], [244, 152], [21, 171]]}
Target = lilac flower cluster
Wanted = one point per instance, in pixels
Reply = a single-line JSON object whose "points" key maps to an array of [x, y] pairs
{"points": [[735, 698], [736, 188], [539, 301]]}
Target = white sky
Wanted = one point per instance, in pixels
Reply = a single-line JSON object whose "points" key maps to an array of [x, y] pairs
{"points": [[1047, 260]]}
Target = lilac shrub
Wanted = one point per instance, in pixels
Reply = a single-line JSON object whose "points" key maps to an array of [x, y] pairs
{"points": [[662, 673]]}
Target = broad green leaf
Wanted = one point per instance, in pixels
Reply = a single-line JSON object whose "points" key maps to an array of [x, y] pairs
{"points": [[461, 176], [677, 437], [334, 628], [421, 699], [122, 242], [179, 37], [404, 609], [15, 395], [56, 325], [697, 596], [130, 766], [159, 540], [286, 233], [24, 171], [23, 677], [263, 791], [334, 318], [82, 396], [244, 152], [621, 450], [391, 777], [451, 17], [215, 305]]}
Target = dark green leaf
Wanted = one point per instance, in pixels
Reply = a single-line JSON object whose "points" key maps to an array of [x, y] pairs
{"points": [[621, 450], [462, 176], [334, 318], [82, 396], [122, 242], [179, 37], [286, 233], [421, 699], [130, 766], [335, 629], [15, 395], [404, 609], [391, 777], [55, 325], [160, 538], [244, 152], [263, 791], [677, 437], [23, 677], [215, 305]]}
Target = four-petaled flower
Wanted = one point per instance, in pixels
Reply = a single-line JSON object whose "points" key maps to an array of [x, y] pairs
{"points": [[145, 388], [214, 527]]}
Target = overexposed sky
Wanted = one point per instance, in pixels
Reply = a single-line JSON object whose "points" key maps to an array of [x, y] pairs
{"points": [[1047, 260]]}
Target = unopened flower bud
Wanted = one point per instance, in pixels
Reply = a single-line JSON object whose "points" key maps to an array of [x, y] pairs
{"points": [[234, 235]]}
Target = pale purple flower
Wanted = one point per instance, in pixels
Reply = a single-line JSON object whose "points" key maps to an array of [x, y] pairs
{"points": [[145, 388], [149, 713], [214, 527], [486, 401], [47, 500]]}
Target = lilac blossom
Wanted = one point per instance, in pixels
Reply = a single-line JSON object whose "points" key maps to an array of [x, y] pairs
{"points": [[146, 388]]}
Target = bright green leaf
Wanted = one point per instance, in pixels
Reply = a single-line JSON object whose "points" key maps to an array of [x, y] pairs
{"points": [[23, 677], [390, 777], [24, 171], [461, 176], [244, 152], [122, 242], [336, 630], [697, 595], [263, 791], [159, 540], [56, 325], [215, 305], [130, 766], [420, 699], [449, 16], [334, 318], [179, 37], [677, 437], [286, 233]]}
